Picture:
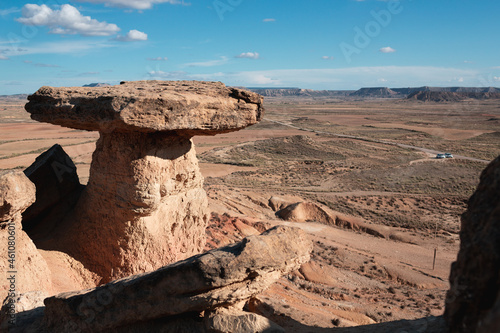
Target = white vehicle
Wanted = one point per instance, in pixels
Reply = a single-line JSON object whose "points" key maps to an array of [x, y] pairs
{"points": [[448, 155], [440, 156]]}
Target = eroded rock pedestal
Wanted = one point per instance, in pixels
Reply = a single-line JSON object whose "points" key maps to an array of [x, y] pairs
{"points": [[144, 206]]}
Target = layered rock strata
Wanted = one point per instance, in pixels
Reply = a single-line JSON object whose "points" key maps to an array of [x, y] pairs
{"points": [[144, 206], [214, 282]]}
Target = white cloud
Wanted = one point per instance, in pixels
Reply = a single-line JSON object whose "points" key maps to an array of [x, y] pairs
{"points": [[496, 78], [382, 80], [5, 12], [2, 57], [134, 4], [175, 75], [269, 20], [209, 63], [88, 73], [248, 55], [47, 65], [327, 58], [62, 47], [66, 20], [132, 36], [387, 49], [158, 59]]}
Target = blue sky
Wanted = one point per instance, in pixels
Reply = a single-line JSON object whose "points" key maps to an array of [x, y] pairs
{"points": [[316, 44]]}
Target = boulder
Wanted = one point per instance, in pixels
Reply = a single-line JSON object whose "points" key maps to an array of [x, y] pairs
{"points": [[473, 301], [144, 206], [224, 320], [17, 193], [218, 278], [57, 190]]}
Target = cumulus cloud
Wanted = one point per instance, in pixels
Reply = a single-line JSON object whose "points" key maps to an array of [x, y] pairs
{"points": [[2, 57], [387, 49], [132, 36], [248, 55], [134, 4], [327, 58], [158, 59], [66, 20]]}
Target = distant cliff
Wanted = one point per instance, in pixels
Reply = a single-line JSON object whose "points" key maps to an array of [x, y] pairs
{"points": [[291, 92], [453, 96], [378, 92]]}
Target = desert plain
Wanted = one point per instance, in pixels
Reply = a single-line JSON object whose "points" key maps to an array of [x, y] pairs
{"points": [[383, 251]]}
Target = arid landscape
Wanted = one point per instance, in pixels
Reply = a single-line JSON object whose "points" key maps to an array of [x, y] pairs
{"points": [[359, 175]]}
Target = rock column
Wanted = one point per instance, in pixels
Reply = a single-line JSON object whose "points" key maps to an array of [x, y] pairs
{"points": [[144, 206]]}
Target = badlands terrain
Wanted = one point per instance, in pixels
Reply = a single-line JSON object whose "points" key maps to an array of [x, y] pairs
{"points": [[360, 176]]}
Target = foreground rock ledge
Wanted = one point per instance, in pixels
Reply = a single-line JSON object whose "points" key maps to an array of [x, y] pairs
{"points": [[473, 301], [204, 282], [144, 206]]}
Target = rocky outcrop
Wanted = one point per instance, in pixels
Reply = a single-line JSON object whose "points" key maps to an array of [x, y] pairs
{"points": [[232, 320], [473, 301], [312, 212], [144, 206], [22, 312], [22, 266], [206, 292], [57, 191]]}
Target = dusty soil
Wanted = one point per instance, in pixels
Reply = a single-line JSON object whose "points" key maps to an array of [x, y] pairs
{"points": [[354, 278]]}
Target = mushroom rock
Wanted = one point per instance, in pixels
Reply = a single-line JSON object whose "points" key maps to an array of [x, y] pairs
{"points": [[144, 206]]}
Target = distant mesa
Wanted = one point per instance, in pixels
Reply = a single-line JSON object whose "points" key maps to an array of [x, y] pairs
{"points": [[375, 92], [424, 93], [449, 96], [16, 96], [92, 85], [298, 92]]}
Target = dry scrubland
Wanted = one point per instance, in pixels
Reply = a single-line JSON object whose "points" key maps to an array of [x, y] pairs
{"points": [[301, 152]]}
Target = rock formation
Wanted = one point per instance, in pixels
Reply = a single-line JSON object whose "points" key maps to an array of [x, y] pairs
{"points": [[206, 292], [57, 190], [23, 268], [144, 206], [473, 301]]}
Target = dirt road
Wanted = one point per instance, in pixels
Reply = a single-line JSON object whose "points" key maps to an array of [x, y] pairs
{"points": [[425, 150]]}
